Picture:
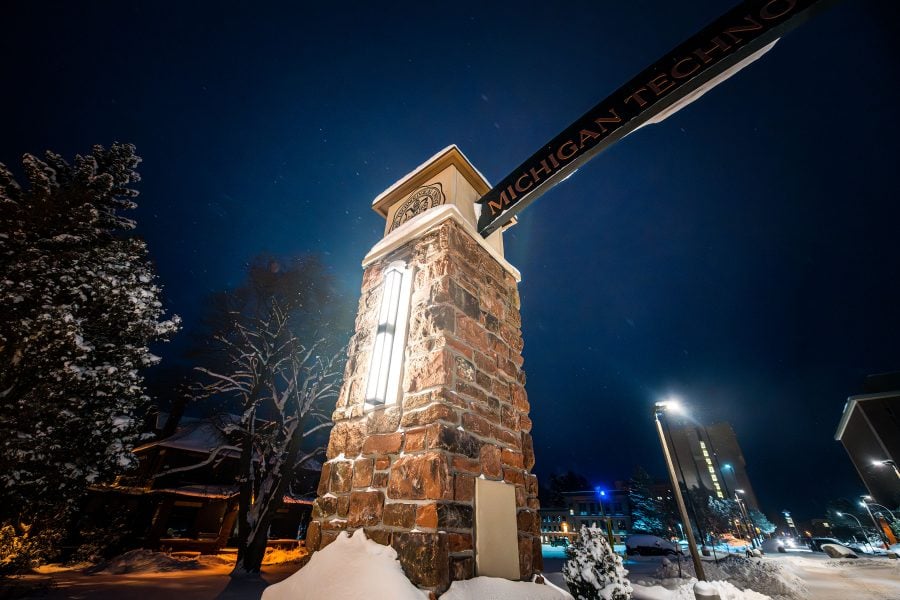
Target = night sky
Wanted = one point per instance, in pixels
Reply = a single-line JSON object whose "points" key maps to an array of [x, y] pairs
{"points": [[742, 254]]}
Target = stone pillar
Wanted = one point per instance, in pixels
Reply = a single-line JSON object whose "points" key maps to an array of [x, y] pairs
{"points": [[405, 471]]}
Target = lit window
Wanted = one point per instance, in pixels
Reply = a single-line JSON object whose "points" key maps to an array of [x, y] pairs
{"points": [[387, 356]]}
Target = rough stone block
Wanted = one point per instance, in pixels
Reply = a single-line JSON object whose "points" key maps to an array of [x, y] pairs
{"points": [[454, 516], [385, 443], [423, 476], [324, 479], [464, 301], [415, 440], [514, 476], [512, 458], [490, 461], [477, 425], [463, 487], [341, 476], [537, 558], [362, 472], [462, 568], [383, 420], [313, 536], [380, 480], [343, 506], [469, 465], [525, 550], [427, 516], [429, 414], [446, 437], [464, 369], [399, 515], [379, 536], [428, 370], [459, 542], [424, 558], [471, 332], [365, 508], [519, 398], [527, 521], [528, 450], [509, 417]]}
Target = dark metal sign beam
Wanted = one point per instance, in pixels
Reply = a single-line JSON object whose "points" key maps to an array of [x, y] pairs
{"points": [[733, 40]]}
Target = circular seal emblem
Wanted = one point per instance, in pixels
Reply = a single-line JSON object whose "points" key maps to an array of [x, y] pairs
{"points": [[427, 196]]}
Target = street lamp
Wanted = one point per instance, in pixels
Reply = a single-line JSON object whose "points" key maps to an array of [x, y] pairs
{"points": [[861, 530], [874, 522], [745, 517], [883, 507], [660, 409], [887, 463]]}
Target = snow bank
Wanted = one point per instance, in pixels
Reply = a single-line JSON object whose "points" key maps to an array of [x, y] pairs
{"points": [[685, 591], [144, 561], [493, 588], [349, 568], [762, 576]]}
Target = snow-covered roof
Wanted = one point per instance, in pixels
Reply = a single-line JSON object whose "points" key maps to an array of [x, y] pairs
{"points": [[451, 155], [198, 436]]}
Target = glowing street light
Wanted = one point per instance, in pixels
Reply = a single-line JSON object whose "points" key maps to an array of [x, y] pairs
{"points": [[877, 525], [861, 530], [883, 507], [661, 408]]}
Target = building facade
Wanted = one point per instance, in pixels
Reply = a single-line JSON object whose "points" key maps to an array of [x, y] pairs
{"points": [[869, 430], [710, 458]]}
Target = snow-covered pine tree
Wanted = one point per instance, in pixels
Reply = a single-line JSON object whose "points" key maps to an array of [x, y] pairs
{"points": [[647, 513], [593, 571], [80, 307]]}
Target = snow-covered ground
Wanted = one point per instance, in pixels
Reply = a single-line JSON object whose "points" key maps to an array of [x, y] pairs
{"points": [[826, 578], [790, 576]]}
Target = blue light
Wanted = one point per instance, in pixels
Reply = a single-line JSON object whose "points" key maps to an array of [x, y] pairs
{"points": [[602, 493]]}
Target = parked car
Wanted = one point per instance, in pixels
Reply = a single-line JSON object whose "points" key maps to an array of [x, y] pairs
{"points": [[815, 544], [650, 545]]}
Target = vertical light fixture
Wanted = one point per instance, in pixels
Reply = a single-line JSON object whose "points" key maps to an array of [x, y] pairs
{"points": [[390, 337]]}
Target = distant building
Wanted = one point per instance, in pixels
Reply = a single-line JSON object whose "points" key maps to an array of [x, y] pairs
{"points": [[709, 457], [588, 507], [870, 432], [196, 508]]}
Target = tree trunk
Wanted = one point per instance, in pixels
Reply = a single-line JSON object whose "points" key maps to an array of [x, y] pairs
{"points": [[251, 551], [245, 498]]}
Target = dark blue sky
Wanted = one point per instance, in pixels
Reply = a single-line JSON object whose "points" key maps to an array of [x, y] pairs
{"points": [[743, 254]]}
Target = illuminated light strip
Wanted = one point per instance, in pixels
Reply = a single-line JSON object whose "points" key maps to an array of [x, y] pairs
{"points": [[387, 354]]}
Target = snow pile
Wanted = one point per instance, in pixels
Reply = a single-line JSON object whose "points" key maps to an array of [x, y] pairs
{"points": [[493, 588], [685, 591], [144, 561], [763, 576], [349, 568]]}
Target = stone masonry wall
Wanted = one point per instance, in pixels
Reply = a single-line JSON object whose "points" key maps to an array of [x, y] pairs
{"points": [[406, 473]]}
